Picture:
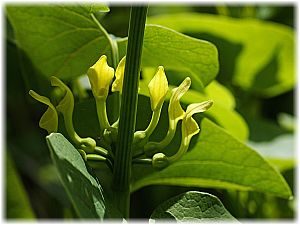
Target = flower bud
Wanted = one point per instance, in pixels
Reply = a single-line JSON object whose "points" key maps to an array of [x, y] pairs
{"points": [[158, 88], [66, 105], [160, 161], [100, 76]]}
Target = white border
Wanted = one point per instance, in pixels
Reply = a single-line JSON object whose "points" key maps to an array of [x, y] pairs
{"points": [[121, 2]]}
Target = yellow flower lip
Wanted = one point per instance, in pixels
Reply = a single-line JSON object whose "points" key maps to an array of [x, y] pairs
{"points": [[100, 76], [189, 125], [198, 107], [175, 110], [49, 120], [158, 88]]}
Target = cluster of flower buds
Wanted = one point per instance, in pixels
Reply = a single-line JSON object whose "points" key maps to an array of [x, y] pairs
{"points": [[101, 76]]}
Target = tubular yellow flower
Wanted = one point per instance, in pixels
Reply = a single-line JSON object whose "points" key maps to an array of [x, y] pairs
{"points": [[175, 110], [118, 83], [49, 120], [100, 76], [158, 88], [189, 127], [176, 113], [66, 107]]}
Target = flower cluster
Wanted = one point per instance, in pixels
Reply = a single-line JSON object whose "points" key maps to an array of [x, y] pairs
{"points": [[101, 76]]}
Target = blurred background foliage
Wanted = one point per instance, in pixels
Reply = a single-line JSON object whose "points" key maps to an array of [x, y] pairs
{"points": [[33, 189]]}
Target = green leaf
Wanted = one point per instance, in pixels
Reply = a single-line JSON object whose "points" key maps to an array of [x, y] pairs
{"points": [[193, 206], [264, 44], [220, 94], [61, 40], [83, 190], [173, 50], [216, 160], [275, 143], [17, 202], [279, 151]]}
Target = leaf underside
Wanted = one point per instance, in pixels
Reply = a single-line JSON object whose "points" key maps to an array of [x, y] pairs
{"points": [[193, 206], [83, 190]]}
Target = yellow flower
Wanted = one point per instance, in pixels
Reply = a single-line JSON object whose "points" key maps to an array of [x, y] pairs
{"points": [[176, 113], [100, 76], [66, 104], [158, 88], [189, 125], [66, 107], [175, 110], [49, 120], [118, 83], [189, 128]]}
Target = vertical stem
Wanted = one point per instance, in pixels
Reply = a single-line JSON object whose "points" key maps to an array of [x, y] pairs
{"points": [[123, 156]]}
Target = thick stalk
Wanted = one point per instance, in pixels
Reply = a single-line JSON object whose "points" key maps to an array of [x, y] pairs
{"points": [[123, 156]]}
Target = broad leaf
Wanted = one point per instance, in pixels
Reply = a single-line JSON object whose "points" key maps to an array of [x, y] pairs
{"points": [[17, 202], [216, 160], [61, 40], [276, 144], [83, 190], [193, 206], [279, 151], [173, 50], [264, 45]]}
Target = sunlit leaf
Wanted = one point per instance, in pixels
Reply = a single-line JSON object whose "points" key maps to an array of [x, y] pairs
{"points": [[264, 45], [173, 50], [217, 160]]}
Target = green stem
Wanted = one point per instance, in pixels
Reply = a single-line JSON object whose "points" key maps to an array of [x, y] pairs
{"points": [[182, 150], [154, 147], [102, 115], [170, 135], [122, 163], [153, 123], [68, 120]]}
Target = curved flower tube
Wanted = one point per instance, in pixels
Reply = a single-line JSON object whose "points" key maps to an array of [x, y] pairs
{"points": [[176, 113], [189, 128], [66, 107]]}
